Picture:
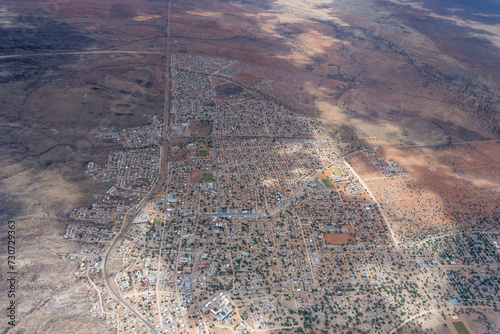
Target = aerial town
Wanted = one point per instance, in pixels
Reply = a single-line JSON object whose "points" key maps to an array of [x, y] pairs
{"points": [[261, 226], [250, 166]]}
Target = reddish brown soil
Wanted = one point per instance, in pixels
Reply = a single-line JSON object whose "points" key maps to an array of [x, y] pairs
{"points": [[247, 79], [195, 177], [337, 238], [459, 190], [364, 166]]}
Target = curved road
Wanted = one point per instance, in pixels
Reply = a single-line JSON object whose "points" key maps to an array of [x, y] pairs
{"points": [[161, 180]]}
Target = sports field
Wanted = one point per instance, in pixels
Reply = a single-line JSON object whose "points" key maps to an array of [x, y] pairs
{"points": [[460, 327], [328, 183], [208, 177]]}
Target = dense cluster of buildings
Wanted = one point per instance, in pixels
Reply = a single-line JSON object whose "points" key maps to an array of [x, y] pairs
{"points": [[260, 225]]}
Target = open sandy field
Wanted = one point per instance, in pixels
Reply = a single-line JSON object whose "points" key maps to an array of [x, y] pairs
{"points": [[446, 187], [337, 238]]}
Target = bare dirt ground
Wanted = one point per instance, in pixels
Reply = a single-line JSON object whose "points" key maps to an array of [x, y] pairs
{"points": [[365, 166], [385, 79], [50, 132], [57, 94], [200, 127], [446, 187], [338, 238], [195, 177], [46, 301]]}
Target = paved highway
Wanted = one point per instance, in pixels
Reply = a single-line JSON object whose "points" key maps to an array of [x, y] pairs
{"points": [[161, 180]]}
